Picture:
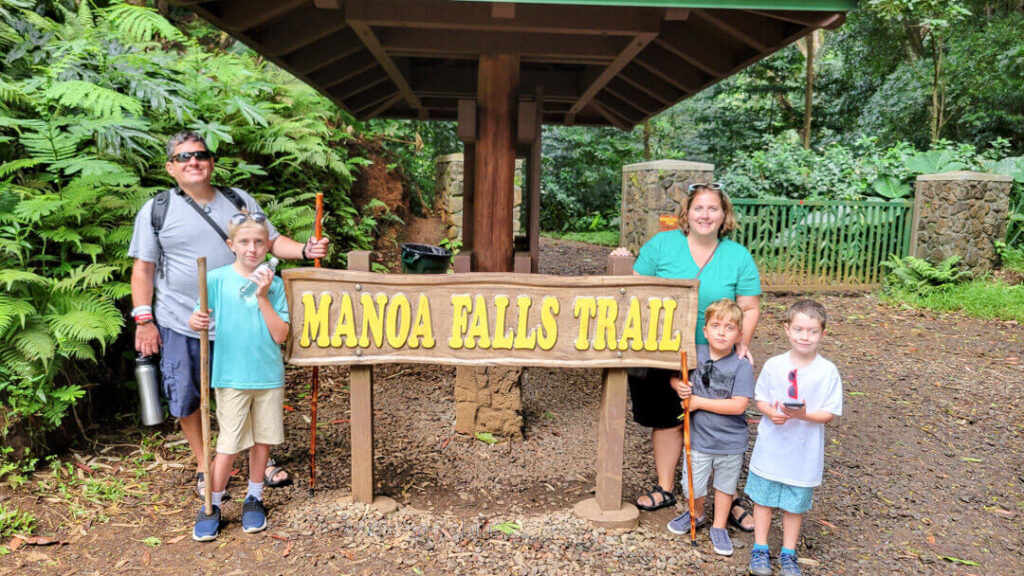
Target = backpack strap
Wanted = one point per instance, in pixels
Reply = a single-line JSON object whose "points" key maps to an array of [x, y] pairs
{"points": [[158, 214]]}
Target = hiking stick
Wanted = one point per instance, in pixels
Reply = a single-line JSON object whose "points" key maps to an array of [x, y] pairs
{"points": [[317, 231], [204, 390], [686, 447]]}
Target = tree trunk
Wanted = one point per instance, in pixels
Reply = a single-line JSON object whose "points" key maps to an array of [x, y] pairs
{"points": [[809, 90], [647, 140], [937, 96]]}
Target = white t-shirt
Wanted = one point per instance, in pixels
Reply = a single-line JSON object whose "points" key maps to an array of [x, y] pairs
{"points": [[794, 453]]}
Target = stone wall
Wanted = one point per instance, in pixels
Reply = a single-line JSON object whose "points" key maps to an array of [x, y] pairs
{"points": [[489, 400], [651, 196], [960, 214], [450, 174]]}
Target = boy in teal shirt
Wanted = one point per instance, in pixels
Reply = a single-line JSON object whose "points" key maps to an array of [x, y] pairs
{"points": [[248, 373]]}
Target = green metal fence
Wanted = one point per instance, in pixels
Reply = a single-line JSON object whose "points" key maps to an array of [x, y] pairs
{"points": [[822, 244]]}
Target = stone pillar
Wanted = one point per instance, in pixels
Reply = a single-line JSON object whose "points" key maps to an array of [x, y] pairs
{"points": [[651, 195], [960, 214], [450, 173], [489, 399]]}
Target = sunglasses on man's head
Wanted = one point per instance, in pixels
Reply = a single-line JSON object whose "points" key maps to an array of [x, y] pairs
{"points": [[182, 157], [793, 392], [705, 185], [241, 217]]}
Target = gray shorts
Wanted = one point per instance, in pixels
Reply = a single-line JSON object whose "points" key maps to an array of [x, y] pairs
{"points": [[179, 366], [725, 466]]}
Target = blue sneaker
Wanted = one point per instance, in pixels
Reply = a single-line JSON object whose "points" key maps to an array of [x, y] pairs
{"points": [[254, 515], [681, 524], [207, 526], [760, 563], [720, 541], [788, 564]]}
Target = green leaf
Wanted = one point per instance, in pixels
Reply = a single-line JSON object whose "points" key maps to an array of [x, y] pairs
{"points": [[933, 162], [485, 437], [140, 23], [93, 99], [508, 528], [11, 277], [960, 561], [891, 188]]}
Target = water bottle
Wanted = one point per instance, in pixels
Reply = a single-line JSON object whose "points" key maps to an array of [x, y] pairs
{"points": [[249, 288], [149, 390]]}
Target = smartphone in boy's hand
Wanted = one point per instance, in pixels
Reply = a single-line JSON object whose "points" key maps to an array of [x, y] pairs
{"points": [[793, 405]]}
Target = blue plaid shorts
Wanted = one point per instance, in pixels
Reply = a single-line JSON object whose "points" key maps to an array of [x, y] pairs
{"points": [[179, 366], [793, 499]]}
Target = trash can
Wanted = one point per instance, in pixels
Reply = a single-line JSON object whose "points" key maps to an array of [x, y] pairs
{"points": [[425, 259]]}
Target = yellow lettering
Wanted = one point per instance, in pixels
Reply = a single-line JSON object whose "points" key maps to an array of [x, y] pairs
{"points": [[584, 309], [632, 331], [314, 320], [477, 335], [547, 334], [525, 339], [460, 320], [669, 344], [373, 320], [502, 338], [607, 312], [422, 332], [651, 342], [398, 325], [346, 325]]}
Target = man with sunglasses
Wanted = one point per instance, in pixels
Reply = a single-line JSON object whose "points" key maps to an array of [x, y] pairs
{"points": [[194, 219]]}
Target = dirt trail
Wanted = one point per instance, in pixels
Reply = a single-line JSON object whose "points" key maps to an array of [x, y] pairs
{"points": [[923, 472]]}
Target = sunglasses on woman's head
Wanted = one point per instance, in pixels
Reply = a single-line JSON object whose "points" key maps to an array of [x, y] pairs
{"points": [[241, 217], [703, 185], [182, 157]]}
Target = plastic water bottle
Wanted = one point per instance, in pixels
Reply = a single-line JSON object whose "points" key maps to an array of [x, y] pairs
{"points": [[249, 288], [149, 390]]}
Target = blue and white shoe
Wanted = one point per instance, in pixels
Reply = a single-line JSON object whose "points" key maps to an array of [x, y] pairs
{"points": [[254, 515], [789, 565], [681, 524], [760, 563], [207, 526], [720, 541]]}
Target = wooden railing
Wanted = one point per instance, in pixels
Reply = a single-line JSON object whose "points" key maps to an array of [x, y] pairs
{"points": [[822, 244]]}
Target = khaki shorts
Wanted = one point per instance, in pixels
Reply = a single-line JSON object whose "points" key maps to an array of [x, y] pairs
{"points": [[247, 417]]}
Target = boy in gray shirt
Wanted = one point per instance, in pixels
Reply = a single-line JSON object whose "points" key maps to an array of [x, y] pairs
{"points": [[720, 388]]}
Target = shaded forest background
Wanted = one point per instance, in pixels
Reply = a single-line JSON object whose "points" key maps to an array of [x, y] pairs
{"points": [[89, 92]]}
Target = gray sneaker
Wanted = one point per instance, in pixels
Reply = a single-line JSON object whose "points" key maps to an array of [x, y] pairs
{"points": [[720, 541], [788, 564], [760, 563]]}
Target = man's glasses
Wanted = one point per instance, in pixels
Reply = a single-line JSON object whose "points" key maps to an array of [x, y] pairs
{"points": [[702, 185], [241, 217], [793, 391], [183, 157], [705, 373]]}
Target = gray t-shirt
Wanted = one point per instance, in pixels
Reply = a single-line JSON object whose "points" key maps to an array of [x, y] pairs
{"points": [[185, 236], [727, 377]]}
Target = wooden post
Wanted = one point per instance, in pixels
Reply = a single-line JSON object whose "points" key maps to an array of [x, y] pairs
{"points": [[361, 407], [495, 162], [606, 509], [533, 231]]}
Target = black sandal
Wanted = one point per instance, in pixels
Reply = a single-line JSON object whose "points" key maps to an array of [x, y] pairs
{"points": [[737, 521], [667, 499]]}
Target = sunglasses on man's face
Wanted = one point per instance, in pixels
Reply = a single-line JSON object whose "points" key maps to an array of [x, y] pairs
{"points": [[705, 185], [241, 217], [183, 157], [792, 391]]}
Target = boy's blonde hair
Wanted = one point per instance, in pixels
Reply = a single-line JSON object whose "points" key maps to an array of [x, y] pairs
{"points": [[234, 227], [724, 308], [811, 309]]}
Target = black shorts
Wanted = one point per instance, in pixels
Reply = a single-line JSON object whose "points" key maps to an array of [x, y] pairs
{"points": [[655, 403]]}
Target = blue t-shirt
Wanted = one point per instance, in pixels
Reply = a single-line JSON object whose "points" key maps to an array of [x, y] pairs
{"points": [[727, 377], [730, 273], [246, 356]]}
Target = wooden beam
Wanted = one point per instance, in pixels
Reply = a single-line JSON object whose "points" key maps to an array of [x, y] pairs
{"points": [[243, 15], [459, 81], [469, 199], [361, 411], [650, 84], [547, 47], [803, 18], [287, 36], [690, 43], [612, 117], [623, 108], [327, 4], [638, 98], [677, 14], [334, 74], [378, 51], [385, 106], [547, 18], [337, 46], [503, 10], [762, 34], [360, 83], [371, 98], [466, 128], [661, 63], [533, 167], [621, 61]]}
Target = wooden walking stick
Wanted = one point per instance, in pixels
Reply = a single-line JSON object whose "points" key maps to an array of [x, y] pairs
{"points": [[317, 231], [686, 447], [204, 390]]}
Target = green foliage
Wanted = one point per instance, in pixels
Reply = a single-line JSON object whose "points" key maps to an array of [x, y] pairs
{"points": [[910, 273], [15, 522], [601, 237], [979, 299], [1011, 258]]}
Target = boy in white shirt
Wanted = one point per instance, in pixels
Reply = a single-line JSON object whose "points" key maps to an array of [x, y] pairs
{"points": [[798, 392]]}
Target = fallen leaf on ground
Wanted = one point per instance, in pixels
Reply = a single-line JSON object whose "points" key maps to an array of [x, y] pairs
{"points": [[279, 537], [289, 408], [15, 543], [287, 550], [146, 558], [177, 539], [39, 540]]}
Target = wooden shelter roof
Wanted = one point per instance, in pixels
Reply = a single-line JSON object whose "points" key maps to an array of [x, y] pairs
{"points": [[603, 62]]}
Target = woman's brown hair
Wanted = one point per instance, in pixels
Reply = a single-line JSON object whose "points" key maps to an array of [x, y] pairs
{"points": [[728, 223]]}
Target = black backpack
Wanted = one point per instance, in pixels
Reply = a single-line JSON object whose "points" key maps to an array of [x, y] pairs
{"points": [[158, 214]]}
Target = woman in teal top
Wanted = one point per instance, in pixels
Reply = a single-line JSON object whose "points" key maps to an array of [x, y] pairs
{"points": [[699, 249]]}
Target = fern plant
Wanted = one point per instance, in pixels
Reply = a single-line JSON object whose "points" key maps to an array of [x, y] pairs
{"points": [[910, 273]]}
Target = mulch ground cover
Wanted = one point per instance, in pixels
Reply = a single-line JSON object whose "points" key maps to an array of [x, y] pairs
{"points": [[924, 472]]}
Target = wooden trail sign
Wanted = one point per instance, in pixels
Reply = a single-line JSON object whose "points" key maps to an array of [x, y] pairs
{"points": [[479, 319]]}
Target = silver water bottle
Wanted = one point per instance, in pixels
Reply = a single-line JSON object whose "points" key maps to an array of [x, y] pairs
{"points": [[148, 379]]}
